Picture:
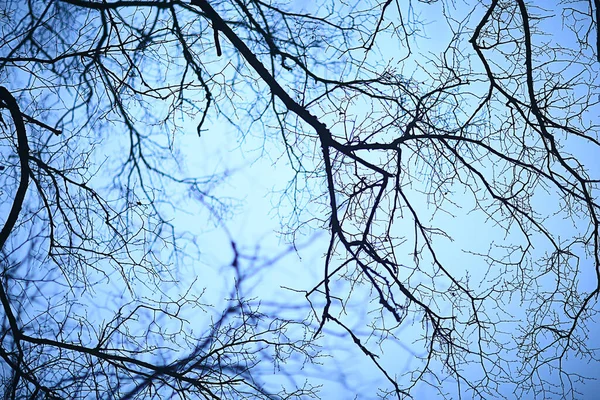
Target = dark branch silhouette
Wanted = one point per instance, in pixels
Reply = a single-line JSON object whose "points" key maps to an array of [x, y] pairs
{"points": [[447, 150]]}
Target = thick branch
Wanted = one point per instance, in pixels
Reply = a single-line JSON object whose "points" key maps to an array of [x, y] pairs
{"points": [[9, 102]]}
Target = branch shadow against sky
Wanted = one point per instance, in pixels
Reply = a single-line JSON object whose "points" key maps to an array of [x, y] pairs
{"points": [[252, 199]]}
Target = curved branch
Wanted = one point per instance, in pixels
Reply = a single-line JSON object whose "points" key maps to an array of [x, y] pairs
{"points": [[8, 101]]}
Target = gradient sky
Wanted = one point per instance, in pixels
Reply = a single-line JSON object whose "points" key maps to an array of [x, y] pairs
{"points": [[257, 173]]}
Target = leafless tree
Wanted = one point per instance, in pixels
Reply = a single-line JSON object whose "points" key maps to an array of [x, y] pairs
{"points": [[448, 148]]}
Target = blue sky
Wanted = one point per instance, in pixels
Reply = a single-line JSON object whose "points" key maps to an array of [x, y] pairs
{"points": [[263, 176], [259, 189]]}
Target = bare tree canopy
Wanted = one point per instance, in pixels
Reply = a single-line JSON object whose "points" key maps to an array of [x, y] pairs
{"points": [[439, 157]]}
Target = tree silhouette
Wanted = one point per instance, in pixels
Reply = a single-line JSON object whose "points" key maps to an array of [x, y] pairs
{"points": [[452, 165]]}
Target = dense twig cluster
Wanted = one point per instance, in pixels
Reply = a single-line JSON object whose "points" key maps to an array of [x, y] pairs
{"points": [[392, 151]]}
